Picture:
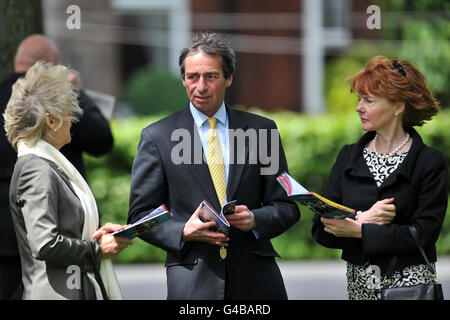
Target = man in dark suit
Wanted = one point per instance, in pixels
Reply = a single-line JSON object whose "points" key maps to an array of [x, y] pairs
{"points": [[169, 168], [91, 134]]}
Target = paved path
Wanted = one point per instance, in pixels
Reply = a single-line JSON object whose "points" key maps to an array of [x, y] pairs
{"points": [[305, 280]]}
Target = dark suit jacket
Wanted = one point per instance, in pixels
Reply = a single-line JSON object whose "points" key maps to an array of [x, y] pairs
{"points": [[8, 242], [419, 186], [91, 134], [197, 272]]}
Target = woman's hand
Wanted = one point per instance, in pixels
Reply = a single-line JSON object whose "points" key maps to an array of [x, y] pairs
{"points": [[382, 212], [108, 228], [111, 245], [342, 227]]}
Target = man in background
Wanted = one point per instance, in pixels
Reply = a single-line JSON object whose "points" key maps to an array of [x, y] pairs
{"points": [[92, 134]]}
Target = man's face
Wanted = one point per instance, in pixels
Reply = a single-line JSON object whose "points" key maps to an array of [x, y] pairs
{"points": [[204, 82]]}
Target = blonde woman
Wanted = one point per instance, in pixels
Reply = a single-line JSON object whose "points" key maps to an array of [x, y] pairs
{"points": [[53, 209]]}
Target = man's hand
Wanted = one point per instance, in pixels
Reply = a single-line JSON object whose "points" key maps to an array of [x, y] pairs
{"points": [[197, 230], [242, 218]]}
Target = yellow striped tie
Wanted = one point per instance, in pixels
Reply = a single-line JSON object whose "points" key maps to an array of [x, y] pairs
{"points": [[215, 161]]}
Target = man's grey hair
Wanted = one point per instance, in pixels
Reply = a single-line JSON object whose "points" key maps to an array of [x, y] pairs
{"points": [[211, 44]]}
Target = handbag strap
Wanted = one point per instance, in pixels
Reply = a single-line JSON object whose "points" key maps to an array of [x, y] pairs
{"points": [[393, 262], [415, 235], [390, 268], [97, 275]]}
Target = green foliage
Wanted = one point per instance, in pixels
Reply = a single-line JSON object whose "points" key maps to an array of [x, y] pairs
{"points": [[433, 39], [417, 31], [337, 83], [443, 243], [421, 32], [414, 5], [110, 179], [311, 144], [18, 19], [154, 91]]}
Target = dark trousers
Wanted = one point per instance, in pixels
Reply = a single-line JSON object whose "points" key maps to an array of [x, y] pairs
{"points": [[244, 283], [10, 278]]}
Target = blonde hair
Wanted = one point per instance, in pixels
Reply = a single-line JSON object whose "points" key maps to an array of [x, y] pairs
{"points": [[44, 89]]}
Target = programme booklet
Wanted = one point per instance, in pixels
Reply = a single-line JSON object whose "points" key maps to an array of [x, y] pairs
{"points": [[208, 213], [154, 218], [321, 205]]}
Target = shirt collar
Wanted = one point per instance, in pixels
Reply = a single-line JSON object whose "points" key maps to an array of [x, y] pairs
{"points": [[200, 117]]}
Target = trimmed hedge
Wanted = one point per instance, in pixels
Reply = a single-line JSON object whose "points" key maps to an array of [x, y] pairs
{"points": [[153, 91], [311, 144]]}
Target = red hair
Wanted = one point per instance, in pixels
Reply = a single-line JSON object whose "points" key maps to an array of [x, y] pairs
{"points": [[397, 81]]}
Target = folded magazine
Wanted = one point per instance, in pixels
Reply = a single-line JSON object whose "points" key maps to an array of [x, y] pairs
{"points": [[154, 218], [208, 213], [321, 205]]}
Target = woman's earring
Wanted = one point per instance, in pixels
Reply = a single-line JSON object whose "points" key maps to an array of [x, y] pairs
{"points": [[396, 114], [55, 129]]}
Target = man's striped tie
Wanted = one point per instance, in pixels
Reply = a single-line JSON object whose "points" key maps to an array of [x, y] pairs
{"points": [[217, 169], [215, 161]]}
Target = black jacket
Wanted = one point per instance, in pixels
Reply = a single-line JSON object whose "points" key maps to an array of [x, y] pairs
{"points": [[91, 134], [419, 186]]}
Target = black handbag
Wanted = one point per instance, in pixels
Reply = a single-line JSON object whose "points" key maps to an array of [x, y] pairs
{"points": [[97, 275], [432, 291]]}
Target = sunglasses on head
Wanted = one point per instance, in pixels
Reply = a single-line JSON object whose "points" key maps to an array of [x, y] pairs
{"points": [[398, 68]]}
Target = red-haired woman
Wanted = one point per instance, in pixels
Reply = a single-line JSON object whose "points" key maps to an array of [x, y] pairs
{"points": [[392, 178]]}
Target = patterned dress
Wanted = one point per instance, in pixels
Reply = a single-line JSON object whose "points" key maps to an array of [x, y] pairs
{"points": [[364, 282]]}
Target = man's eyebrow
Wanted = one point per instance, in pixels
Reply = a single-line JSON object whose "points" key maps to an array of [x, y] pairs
{"points": [[206, 73]]}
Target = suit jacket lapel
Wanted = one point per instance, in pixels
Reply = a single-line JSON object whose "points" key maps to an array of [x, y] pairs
{"points": [[62, 175], [406, 168], [198, 167], [357, 165], [235, 169]]}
